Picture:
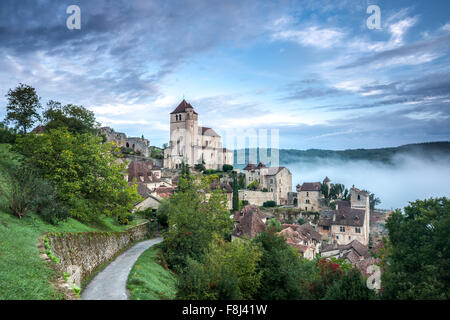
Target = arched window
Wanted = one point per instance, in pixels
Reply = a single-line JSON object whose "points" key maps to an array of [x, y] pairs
{"points": [[180, 117]]}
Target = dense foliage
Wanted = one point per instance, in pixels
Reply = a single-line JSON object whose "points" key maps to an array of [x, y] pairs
{"points": [[194, 221], [228, 271], [417, 260], [22, 108], [76, 119], [84, 172]]}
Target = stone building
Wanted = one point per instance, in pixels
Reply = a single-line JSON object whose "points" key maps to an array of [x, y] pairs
{"points": [[276, 180], [303, 237], [351, 219], [192, 144], [248, 223], [139, 145], [309, 194]]}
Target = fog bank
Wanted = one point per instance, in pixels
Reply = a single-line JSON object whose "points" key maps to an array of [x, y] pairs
{"points": [[410, 178]]}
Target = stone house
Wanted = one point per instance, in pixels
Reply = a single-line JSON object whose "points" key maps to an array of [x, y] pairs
{"points": [[248, 223], [140, 146], [351, 219], [148, 174], [149, 200], [309, 195], [303, 237], [276, 180], [192, 144]]}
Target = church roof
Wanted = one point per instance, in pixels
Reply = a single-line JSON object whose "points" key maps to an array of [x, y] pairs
{"points": [[205, 131], [182, 107]]}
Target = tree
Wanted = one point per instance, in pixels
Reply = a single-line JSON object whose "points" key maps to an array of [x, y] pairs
{"points": [[254, 185], [162, 213], [18, 185], [235, 193], [76, 119], [6, 134], [374, 201], [22, 107], [350, 287], [241, 180], [194, 221], [227, 272], [417, 259], [284, 274], [227, 167], [85, 173], [324, 189]]}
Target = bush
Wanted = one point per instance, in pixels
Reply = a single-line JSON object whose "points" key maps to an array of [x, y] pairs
{"points": [[19, 187], [227, 167], [269, 204], [254, 185], [6, 135], [162, 214], [47, 206], [200, 167]]}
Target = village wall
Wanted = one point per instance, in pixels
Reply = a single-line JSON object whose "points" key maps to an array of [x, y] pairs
{"points": [[256, 197], [83, 252]]}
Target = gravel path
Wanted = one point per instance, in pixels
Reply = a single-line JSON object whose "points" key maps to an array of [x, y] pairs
{"points": [[110, 283]]}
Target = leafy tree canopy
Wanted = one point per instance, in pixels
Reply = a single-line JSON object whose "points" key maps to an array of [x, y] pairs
{"points": [[417, 258], [22, 108], [85, 173]]}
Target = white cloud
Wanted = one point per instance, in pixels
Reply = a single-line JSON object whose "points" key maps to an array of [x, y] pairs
{"points": [[312, 36]]}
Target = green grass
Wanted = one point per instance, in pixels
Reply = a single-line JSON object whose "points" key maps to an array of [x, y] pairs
{"points": [[23, 273], [148, 280]]}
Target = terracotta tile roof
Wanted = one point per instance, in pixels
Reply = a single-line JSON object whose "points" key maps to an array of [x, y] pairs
{"points": [[304, 231], [347, 216], [138, 169], [142, 189], [250, 166], [271, 171], [205, 131], [182, 107], [249, 225], [310, 186], [261, 165], [164, 192], [253, 209]]}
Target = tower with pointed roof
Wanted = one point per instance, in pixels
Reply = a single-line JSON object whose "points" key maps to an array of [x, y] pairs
{"points": [[192, 144]]}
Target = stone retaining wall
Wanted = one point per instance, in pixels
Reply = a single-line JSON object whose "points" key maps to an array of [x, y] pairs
{"points": [[256, 197], [80, 253]]}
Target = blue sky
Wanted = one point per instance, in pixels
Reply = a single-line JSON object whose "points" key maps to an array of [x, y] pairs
{"points": [[311, 69]]}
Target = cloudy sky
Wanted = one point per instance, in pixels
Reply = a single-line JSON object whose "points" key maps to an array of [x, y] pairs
{"points": [[312, 69]]}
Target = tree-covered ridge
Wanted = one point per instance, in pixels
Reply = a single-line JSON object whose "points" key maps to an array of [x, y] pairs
{"points": [[384, 155]]}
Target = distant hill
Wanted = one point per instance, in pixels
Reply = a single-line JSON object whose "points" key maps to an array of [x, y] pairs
{"points": [[385, 155]]}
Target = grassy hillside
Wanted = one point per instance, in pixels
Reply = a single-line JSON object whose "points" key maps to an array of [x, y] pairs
{"points": [[23, 273], [148, 280], [385, 155]]}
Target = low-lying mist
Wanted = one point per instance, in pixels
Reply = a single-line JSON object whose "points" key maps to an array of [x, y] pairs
{"points": [[409, 178]]}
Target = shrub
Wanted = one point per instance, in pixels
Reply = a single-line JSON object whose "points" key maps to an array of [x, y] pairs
{"points": [[227, 167], [269, 204], [19, 187], [254, 185], [200, 167]]}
